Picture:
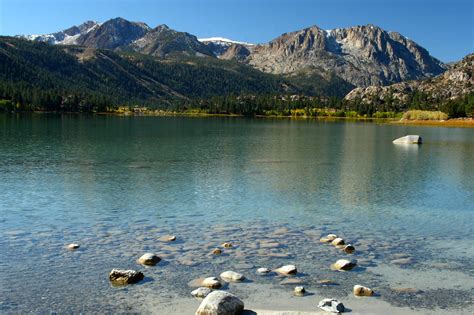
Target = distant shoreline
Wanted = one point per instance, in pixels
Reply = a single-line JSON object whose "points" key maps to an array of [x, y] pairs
{"points": [[453, 123]]}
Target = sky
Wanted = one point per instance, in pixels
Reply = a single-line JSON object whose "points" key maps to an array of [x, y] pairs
{"points": [[444, 27]]}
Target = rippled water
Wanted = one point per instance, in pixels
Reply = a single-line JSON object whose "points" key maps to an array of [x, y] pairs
{"points": [[116, 184]]}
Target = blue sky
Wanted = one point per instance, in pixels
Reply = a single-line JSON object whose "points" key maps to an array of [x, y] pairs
{"points": [[444, 27]]}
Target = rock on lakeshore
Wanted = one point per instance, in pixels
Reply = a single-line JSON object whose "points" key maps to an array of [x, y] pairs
{"points": [[331, 305], [220, 303], [122, 277], [148, 259]]}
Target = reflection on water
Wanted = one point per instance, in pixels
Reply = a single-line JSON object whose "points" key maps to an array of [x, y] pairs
{"points": [[115, 184]]}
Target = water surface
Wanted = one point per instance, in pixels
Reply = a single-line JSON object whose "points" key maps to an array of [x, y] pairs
{"points": [[115, 184]]}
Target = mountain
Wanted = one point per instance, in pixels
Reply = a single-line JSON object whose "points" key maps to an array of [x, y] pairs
{"points": [[220, 45], [457, 82], [36, 73], [163, 41], [122, 35], [113, 34], [362, 55], [66, 37]]}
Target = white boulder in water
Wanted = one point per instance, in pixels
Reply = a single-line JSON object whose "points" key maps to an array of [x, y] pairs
{"points": [[410, 139], [73, 246]]}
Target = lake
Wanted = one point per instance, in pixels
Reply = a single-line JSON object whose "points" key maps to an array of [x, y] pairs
{"points": [[272, 187]]}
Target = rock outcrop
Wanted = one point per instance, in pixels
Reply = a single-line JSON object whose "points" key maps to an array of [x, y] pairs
{"points": [[362, 55], [456, 82]]}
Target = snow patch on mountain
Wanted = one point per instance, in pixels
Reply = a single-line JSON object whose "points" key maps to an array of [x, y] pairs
{"points": [[223, 41]]}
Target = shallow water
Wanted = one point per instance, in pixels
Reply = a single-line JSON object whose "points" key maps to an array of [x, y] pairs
{"points": [[116, 184]]}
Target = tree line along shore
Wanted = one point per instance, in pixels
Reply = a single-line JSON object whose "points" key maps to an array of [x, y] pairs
{"points": [[253, 105]]}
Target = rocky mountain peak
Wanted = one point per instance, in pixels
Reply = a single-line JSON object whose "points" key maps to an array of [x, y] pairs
{"points": [[113, 34], [362, 55], [299, 41], [163, 41]]}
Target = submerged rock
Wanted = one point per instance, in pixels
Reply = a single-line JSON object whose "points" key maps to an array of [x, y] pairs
{"points": [[343, 265], [122, 277], [232, 276], [220, 303], [287, 270], [348, 249], [216, 251], [148, 259], [299, 291], [328, 238], [410, 139], [201, 292], [168, 238], [402, 261], [337, 241], [331, 305], [406, 290], [263, 270], [211, 282], [292, 280], [362, 291], [73, 246]]}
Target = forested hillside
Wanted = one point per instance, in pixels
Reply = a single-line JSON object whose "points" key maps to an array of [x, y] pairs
{"points": [[36, 75]]}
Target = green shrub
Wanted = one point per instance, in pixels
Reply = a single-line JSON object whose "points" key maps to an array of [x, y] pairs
{"points": [[6, 105], [424, 115]]}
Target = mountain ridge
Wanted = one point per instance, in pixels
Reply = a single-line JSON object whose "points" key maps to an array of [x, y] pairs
{"points": [[362, 55]]}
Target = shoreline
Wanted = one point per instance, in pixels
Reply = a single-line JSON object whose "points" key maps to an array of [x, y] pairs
{"points": [[265, 300], [449, 123]]}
